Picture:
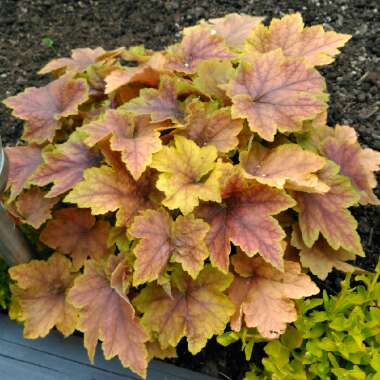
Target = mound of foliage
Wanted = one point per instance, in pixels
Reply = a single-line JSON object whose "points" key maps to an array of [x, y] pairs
{"points": [[181, 190], [334, 337]]}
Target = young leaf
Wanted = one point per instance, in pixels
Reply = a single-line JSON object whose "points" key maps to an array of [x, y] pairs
{"points": [[263, 295], [161, 104], [327, 213], [76, 232], [43, 107], [23, 162], [287, 165], [34, 208], [356, 163], [136, 138], [107, 315], [198, 44], [315, 46], [234, 28], [197, 309], [275, 94], [244, 217], [64, 165], [183, 170], [41, 288], [321, 258], [80, 59], [162, 239], [207, 125]]}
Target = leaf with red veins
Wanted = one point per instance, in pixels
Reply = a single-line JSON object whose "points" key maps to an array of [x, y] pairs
{"points": [[276, 94], [106, 315], [263, 295], [34, 208], [312, 44], [23, 161], [198, 45], [197, 309], [321, 258], [287, 166], [64, 165], [163, 239], [75, 232], [147, 73], [245, 218], [355, 162], [328, 213], [43, 107], [80, 59], [40, 291], [207, 125], [161, 104], [234, 28], [107, 189], [135, 137]]}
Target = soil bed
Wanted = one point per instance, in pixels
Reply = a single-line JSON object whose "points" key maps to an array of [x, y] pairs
{"points": [[353, 80]]}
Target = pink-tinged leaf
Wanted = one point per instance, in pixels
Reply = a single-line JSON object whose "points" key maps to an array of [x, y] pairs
{"points": [[161, 104], [64, 165], [355, 162], [276, 94], [234, 28], [80, 59], [163, 239], [23, 162], [328, 213], [76, 232], [34, 208], [43, 107], [263, 295], [41, 293], [315, 46], [244, 218], [198, 44], [107, 315], [136, 138], [321, 258], [287, 166], [197, 309], [207, 125]]}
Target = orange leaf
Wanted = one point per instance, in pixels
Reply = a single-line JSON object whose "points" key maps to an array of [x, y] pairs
{"points": [[76, 232], [41, 288], [244, 218], [162, 239], [263, 295], [275, 94], [43, 107], [107, 315], [23, 162]]}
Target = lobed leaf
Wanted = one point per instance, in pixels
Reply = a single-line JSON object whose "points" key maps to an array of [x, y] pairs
{"points": [[275, 94], [76, 232], [244, 218], [263, 295], [43, 107], [188, 174], [23, 162], [315, 46], [197, 309], [40, 292], [107, 315], [163, 239]]}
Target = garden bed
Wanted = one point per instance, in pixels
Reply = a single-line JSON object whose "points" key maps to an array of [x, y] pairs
{"points": [[353, 80]]}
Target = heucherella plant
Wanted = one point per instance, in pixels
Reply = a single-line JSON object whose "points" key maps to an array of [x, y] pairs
{"points": [[184, 190]]}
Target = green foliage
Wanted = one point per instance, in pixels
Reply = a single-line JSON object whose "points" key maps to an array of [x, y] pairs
{"points": [[4, 285], [335, 337]]}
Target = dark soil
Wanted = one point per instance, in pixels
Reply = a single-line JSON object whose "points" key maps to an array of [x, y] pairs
{"points": [[353, 80]]}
